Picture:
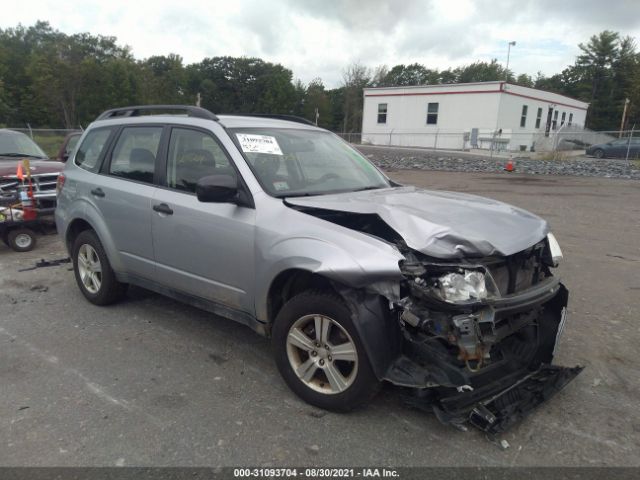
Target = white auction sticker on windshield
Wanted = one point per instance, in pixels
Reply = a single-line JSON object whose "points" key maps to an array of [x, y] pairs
{"points": [[251, 143]]}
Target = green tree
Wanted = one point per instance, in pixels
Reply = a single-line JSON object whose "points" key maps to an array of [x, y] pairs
{"points": [[317, 98], [354, 79]]}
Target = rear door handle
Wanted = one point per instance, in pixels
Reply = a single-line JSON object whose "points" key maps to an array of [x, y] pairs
{"points": [[163, 208], [98, 192]]}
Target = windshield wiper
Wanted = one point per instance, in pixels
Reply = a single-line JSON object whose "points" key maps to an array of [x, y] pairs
{"points": [[371, 187], [15, 155]]}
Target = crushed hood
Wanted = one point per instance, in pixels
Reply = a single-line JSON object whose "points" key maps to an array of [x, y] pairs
{"points": [[441, 224]]}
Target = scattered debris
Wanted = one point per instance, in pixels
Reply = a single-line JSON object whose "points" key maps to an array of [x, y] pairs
{"points": [[313, 448], [22, 408], [317, 413], [47, 263], [596, 382], [39, 288], [218, 359]]}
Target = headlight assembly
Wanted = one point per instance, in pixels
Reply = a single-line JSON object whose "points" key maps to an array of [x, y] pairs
{"points": [[460, 287]]}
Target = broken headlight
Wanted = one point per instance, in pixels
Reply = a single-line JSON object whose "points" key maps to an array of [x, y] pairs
{"points": [[464, 286]]}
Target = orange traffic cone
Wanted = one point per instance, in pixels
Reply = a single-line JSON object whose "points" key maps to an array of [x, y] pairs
{"points": [[509, 167]]}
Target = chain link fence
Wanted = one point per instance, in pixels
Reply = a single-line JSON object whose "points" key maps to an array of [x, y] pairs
{"points": [[566, 140]]}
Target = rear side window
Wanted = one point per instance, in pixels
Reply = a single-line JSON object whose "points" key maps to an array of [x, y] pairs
{"points": [[135, 152], [91, 148]]}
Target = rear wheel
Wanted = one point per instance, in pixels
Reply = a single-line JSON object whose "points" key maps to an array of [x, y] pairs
{"points": [[21, 239], [319, 353], [93, 273]]}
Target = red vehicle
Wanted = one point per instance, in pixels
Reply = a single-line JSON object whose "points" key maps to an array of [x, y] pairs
{"points": [[14, 148], [68, 144]]}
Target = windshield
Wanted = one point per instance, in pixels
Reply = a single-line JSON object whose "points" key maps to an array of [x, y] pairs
{"points": [[290, 162], [17, 144]]}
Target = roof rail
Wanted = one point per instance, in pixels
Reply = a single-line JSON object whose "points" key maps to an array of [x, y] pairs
{"points": [[276, 116], [135, 111]]}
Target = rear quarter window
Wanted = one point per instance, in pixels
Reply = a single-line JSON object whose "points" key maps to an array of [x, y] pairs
{"points": [[92, 147]]}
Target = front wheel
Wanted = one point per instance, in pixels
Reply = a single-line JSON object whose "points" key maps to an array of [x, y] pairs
{"points": [[320, 355], [599, 153], [93, 273]]}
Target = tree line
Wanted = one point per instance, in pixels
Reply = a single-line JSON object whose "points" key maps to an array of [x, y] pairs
{"points": [[51, 79]]}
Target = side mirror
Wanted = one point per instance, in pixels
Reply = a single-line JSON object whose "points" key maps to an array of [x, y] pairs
{"points": [[217, 189]]}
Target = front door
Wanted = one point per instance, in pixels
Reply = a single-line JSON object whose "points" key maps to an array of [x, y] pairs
{"points": [[203, 249]]}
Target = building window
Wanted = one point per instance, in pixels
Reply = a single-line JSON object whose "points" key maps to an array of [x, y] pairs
{"points": [[382, 113], [564, 116], [432, 113], [539, 118], [570, 119], [523, 115], [555, 120]]}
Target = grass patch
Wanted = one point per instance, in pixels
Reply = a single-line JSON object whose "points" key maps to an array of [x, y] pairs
{"points": [[50, 143]]}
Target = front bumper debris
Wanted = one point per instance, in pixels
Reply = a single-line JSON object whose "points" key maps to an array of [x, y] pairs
{"points": [[495, 408], [516, 379]]}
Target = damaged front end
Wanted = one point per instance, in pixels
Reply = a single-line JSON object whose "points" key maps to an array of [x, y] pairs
{"points": [[478, 337]]}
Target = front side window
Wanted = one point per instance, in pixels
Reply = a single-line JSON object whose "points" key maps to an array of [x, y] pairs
{"points": [[296, 162], [382, 113], [192, 155], [134, 155], [432, 113], [91, 148], [523, 115]]}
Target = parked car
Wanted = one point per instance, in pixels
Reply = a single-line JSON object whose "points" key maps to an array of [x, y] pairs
{"points": [[14, 148], [68, 144], [284, 227], [616, 148]]}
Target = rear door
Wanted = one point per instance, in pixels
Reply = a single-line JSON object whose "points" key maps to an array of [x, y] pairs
{"points": [[123, 194], [203, 249]]}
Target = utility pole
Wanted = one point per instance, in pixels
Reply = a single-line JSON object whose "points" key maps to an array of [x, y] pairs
{"points": [[317, 115], [509, 45], [624, 114], [198, 99]]}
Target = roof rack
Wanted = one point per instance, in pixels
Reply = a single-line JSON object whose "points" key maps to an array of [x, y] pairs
{"points": [[276, 116], [135, 111]]}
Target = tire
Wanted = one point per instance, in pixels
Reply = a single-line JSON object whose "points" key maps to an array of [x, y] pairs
{"points": [[599, 153], [90, 263], [323, 381], [21, 239]]}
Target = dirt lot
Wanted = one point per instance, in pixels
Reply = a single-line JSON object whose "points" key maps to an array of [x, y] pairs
{"points": [[153, 382]]}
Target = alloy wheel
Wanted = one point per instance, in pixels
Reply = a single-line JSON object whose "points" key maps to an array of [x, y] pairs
{"points": [[89, 268], [322, 354]]}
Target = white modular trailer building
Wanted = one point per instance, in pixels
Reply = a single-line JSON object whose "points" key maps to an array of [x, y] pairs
{"points": [[467, 115]]}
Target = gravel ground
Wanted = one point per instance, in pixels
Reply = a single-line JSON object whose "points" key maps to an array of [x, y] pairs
{"points": [[152, 382], [401, 158]]}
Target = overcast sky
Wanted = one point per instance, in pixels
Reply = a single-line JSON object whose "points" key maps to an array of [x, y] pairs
{"points": [[319, 38]]}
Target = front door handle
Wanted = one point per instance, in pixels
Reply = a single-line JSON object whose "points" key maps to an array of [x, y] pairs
{"points": [[163, 208], [98, 192]]}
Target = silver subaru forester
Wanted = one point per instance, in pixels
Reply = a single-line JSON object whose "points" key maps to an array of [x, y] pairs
{"points": [[282, 226]]}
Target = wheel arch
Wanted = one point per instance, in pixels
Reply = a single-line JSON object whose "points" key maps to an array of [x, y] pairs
{"points": [[377, 326]]}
